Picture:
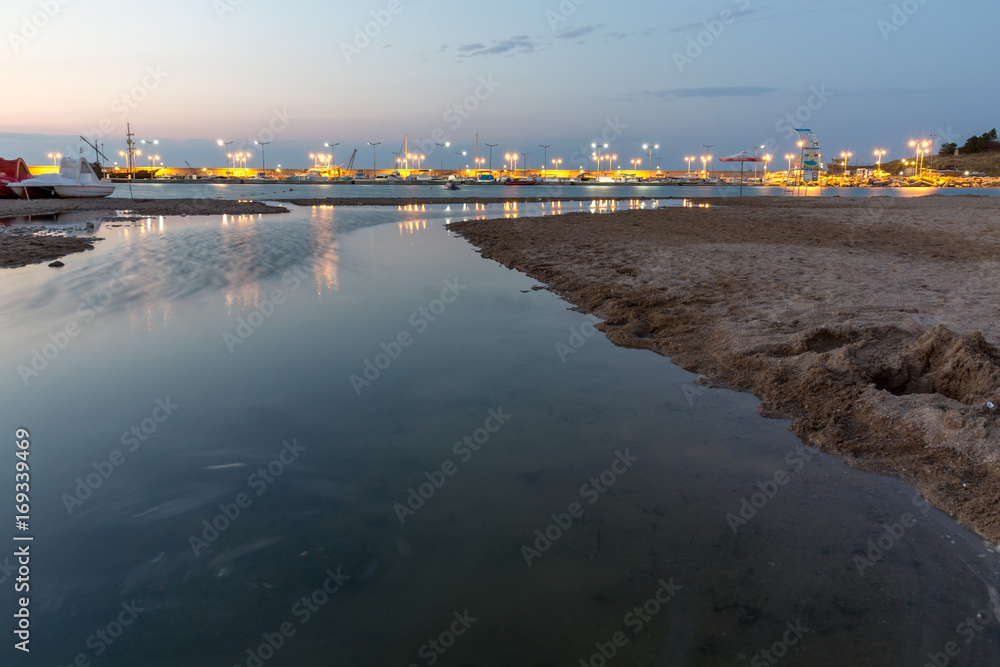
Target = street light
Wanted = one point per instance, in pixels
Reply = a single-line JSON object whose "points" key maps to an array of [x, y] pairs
{"points": [[373, 145], [332, 153], [491, 156], [689, 160], [545, 156], [878, 154], [557, 163], [598, 155], [225, 149], [846, 156], [460, 154], [443, 146], [263, 161], [512, 160], [527, 162], [151, 144], [55, 158], [649, 165]]}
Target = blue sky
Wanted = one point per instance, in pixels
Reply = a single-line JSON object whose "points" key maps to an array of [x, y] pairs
{"points": [[732, 73]]}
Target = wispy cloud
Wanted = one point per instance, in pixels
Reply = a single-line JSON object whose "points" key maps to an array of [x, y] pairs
{"points": [[511, 46], [579, 32], [708, 92]]}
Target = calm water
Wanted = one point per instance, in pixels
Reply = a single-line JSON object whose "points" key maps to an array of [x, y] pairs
{"points": [[291, 378], [314, 190]]}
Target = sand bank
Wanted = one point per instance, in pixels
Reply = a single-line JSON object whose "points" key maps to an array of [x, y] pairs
{"points": [[871, 323]]}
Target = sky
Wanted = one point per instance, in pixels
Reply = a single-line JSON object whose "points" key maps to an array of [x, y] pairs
{"points": [[520, 73]]}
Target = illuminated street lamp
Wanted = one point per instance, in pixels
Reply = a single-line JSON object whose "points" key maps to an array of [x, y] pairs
{"points": [[373, 145], [460, 155], [225, 150], [689, 160], [649, 165], [526, 161], [55, 157], [878, 154], [846, 155], [491, 155], [512, 161], [597, 149], [333, 160], [557, 163], [151, 143], [443, 146], [545, 156]]}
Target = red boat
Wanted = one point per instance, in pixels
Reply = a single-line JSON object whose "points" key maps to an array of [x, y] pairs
{"points": [[12, 171], [521, 181]]}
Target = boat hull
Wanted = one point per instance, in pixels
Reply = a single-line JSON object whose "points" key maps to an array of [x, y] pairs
{"points": [[83, 191], [31, 191]]}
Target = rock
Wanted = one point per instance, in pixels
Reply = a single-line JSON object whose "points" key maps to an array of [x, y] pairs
{"points": [[57, 264]]}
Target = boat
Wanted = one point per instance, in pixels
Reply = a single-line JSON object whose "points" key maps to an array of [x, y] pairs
{"points": [[451, 185], [12, 171], [521, 181], [76, 179]]}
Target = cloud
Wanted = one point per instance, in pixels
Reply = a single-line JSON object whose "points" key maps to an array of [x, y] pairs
{"points": [[579, 32], [513, 45], [709, 92]]}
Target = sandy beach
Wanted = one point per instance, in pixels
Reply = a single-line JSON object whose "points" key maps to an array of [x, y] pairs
{"points": [[871, 323]]}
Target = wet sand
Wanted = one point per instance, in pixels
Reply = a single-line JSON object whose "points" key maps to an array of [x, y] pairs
{"points": [[871, 323]]}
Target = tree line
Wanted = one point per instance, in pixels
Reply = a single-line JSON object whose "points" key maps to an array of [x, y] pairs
{"points": [[982, 144]]}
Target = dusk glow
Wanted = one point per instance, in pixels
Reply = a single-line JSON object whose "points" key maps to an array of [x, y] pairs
{"points": [[732, 73]]}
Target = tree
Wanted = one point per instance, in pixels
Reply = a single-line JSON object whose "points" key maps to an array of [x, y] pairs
{"points": [[948, 149], [982, 144]]}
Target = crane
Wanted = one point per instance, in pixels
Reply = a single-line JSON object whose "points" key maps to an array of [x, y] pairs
{"points": [[349, 162]]}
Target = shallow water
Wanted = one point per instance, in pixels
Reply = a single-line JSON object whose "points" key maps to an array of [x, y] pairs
{"points": [[255, 335], [320, 190]]}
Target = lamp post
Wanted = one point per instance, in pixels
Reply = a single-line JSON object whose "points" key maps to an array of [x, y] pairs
{"points": [[557, 163], [526, 162], [846, 155], [55, 158], [225, 150], [263, 160], [767, 158], [689, 160], [545, 155], [460, 154], [878, 154], [151, 143], [512, 160], [597, 147], [443, 146], [649, 165], [708, 151], [373, 145], [491, 156], [333, 160]]}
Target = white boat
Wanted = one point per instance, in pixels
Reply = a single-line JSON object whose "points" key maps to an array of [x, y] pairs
{"points": [[76, 178]]}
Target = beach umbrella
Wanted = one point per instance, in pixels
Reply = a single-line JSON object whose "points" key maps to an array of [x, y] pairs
{"points": [[741, 157]]}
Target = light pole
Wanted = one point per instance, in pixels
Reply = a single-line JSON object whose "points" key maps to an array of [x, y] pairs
{"points": [[649, 165], [443, 146], [557, 163], [373, 145], [708, 151], [512, 160], [460, 154], [597, 147], [545, 156], [689, 160], [263, 160], [333, 153], [491, 156], [225, 150], [526, 162], [55, 158], [151, 144], [878, 154], [846, 155]]}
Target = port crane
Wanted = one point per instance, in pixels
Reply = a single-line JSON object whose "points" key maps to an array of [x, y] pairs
{"points": [[349, 162]]}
